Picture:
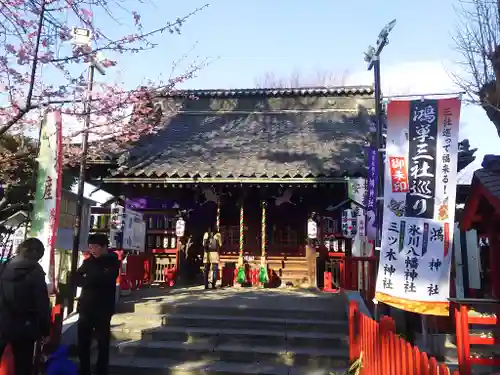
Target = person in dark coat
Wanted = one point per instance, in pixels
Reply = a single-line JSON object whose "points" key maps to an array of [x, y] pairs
{"points": [[96, 305], [24, 304]]}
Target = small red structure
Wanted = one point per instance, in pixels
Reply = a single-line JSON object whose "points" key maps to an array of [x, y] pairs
{"points": [[482, 213]]}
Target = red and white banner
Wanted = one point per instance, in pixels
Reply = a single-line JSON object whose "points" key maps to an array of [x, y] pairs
{"points": [[419, 205]]}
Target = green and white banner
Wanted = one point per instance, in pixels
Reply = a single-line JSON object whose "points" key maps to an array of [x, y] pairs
{"points": [[45, 216]]}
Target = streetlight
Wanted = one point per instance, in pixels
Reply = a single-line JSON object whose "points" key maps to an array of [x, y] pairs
{"points": [[372, 57], [82, 38]]}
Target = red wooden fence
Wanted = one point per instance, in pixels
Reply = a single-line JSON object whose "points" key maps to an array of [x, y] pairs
{"points": [[385, 353], [352, 273], [360, 275], [465, 340]]}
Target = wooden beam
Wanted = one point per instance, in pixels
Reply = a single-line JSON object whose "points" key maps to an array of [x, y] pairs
{"points": [[470, 211]]}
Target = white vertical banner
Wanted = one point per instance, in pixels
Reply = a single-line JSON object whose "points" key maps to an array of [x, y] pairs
{"points": [[357, 191], [419, 205]]}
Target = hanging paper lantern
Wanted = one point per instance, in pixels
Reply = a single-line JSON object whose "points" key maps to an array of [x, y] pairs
{"points": [[349, 223], [312, 229]]}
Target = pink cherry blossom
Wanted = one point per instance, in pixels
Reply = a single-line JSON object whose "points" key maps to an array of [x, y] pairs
{"points": [[39, 42]]}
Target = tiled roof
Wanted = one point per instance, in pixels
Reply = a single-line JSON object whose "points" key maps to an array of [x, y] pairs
{"points": [[298, 144], [256, 133], [490, 180], [276, 92]]}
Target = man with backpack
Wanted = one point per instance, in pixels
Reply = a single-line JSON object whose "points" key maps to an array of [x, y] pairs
{"points": [[212, 242], [24, 304]]}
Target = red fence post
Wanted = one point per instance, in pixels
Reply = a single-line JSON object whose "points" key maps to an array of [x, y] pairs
{"points": [[424, 363], [353, 330], [7, 362], [464, 325]]}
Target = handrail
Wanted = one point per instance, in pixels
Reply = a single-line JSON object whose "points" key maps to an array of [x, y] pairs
{"points": [[465, 339], [475, 301]]}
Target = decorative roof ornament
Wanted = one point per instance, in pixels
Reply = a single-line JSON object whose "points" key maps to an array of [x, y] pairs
{"points": [[285, 198]]}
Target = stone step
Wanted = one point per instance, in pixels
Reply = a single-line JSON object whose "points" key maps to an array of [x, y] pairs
{"points": [[297, 357], [219, 336], [155, 366], [234, 322], [159, 307]]}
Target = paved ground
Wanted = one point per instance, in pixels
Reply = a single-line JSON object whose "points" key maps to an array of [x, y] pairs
{"points": [[282, 299]]}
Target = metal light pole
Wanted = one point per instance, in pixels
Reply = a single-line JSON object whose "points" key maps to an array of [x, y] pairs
{"points": [[80, 34], [372, 57]]}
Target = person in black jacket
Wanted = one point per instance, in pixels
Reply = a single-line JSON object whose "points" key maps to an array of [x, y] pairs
{"points": [[24, 304], [96, 305]]}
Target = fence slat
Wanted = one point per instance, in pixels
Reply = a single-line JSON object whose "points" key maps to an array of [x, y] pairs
{"points": [[433, 366], [443, 369], [417, 358], [7, 362], [409, 359], [424, 364], [404, 357]]}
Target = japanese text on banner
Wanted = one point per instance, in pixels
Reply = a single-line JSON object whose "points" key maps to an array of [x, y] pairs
{"points": [[422, 146]]}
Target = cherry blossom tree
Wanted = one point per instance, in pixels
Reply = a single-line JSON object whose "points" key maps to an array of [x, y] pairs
{"points": [[41, 70]]}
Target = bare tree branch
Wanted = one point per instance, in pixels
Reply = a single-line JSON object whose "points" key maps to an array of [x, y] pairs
{"points": [[320, 78], [477, 39]]}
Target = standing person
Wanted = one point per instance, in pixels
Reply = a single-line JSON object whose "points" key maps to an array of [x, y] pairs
{"points": [[96, 305], [24, 304], [212, 242]]}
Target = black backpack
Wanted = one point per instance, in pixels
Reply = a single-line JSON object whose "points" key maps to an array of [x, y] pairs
{"points": [[211, 243], [17, 317]]}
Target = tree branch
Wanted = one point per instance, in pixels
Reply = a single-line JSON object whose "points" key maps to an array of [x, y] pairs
{"points": [[27, 106]]}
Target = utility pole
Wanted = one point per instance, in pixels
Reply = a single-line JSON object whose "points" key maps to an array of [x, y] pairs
{"points": [[82, 37], [372, 57]]}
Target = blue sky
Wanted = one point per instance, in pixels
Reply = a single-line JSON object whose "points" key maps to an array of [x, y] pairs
{"points": [[246, 39]]}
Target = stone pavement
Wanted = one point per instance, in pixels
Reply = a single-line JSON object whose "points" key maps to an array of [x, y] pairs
{"points": [[241, 298]]}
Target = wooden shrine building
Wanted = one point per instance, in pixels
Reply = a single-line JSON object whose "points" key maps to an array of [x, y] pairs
{"points": [[252, 163]]}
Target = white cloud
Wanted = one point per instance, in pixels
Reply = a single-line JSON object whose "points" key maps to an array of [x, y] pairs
{"points": [[412, 78], [434, 77]]}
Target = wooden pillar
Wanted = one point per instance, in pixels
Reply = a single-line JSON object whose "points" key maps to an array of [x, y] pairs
{"points": [[263, 230], [494, 241], [311, 262], [242, 233], [217, 217]]}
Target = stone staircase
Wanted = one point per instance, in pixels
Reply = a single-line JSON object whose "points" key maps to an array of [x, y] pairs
{"points": [[215, 337]]}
